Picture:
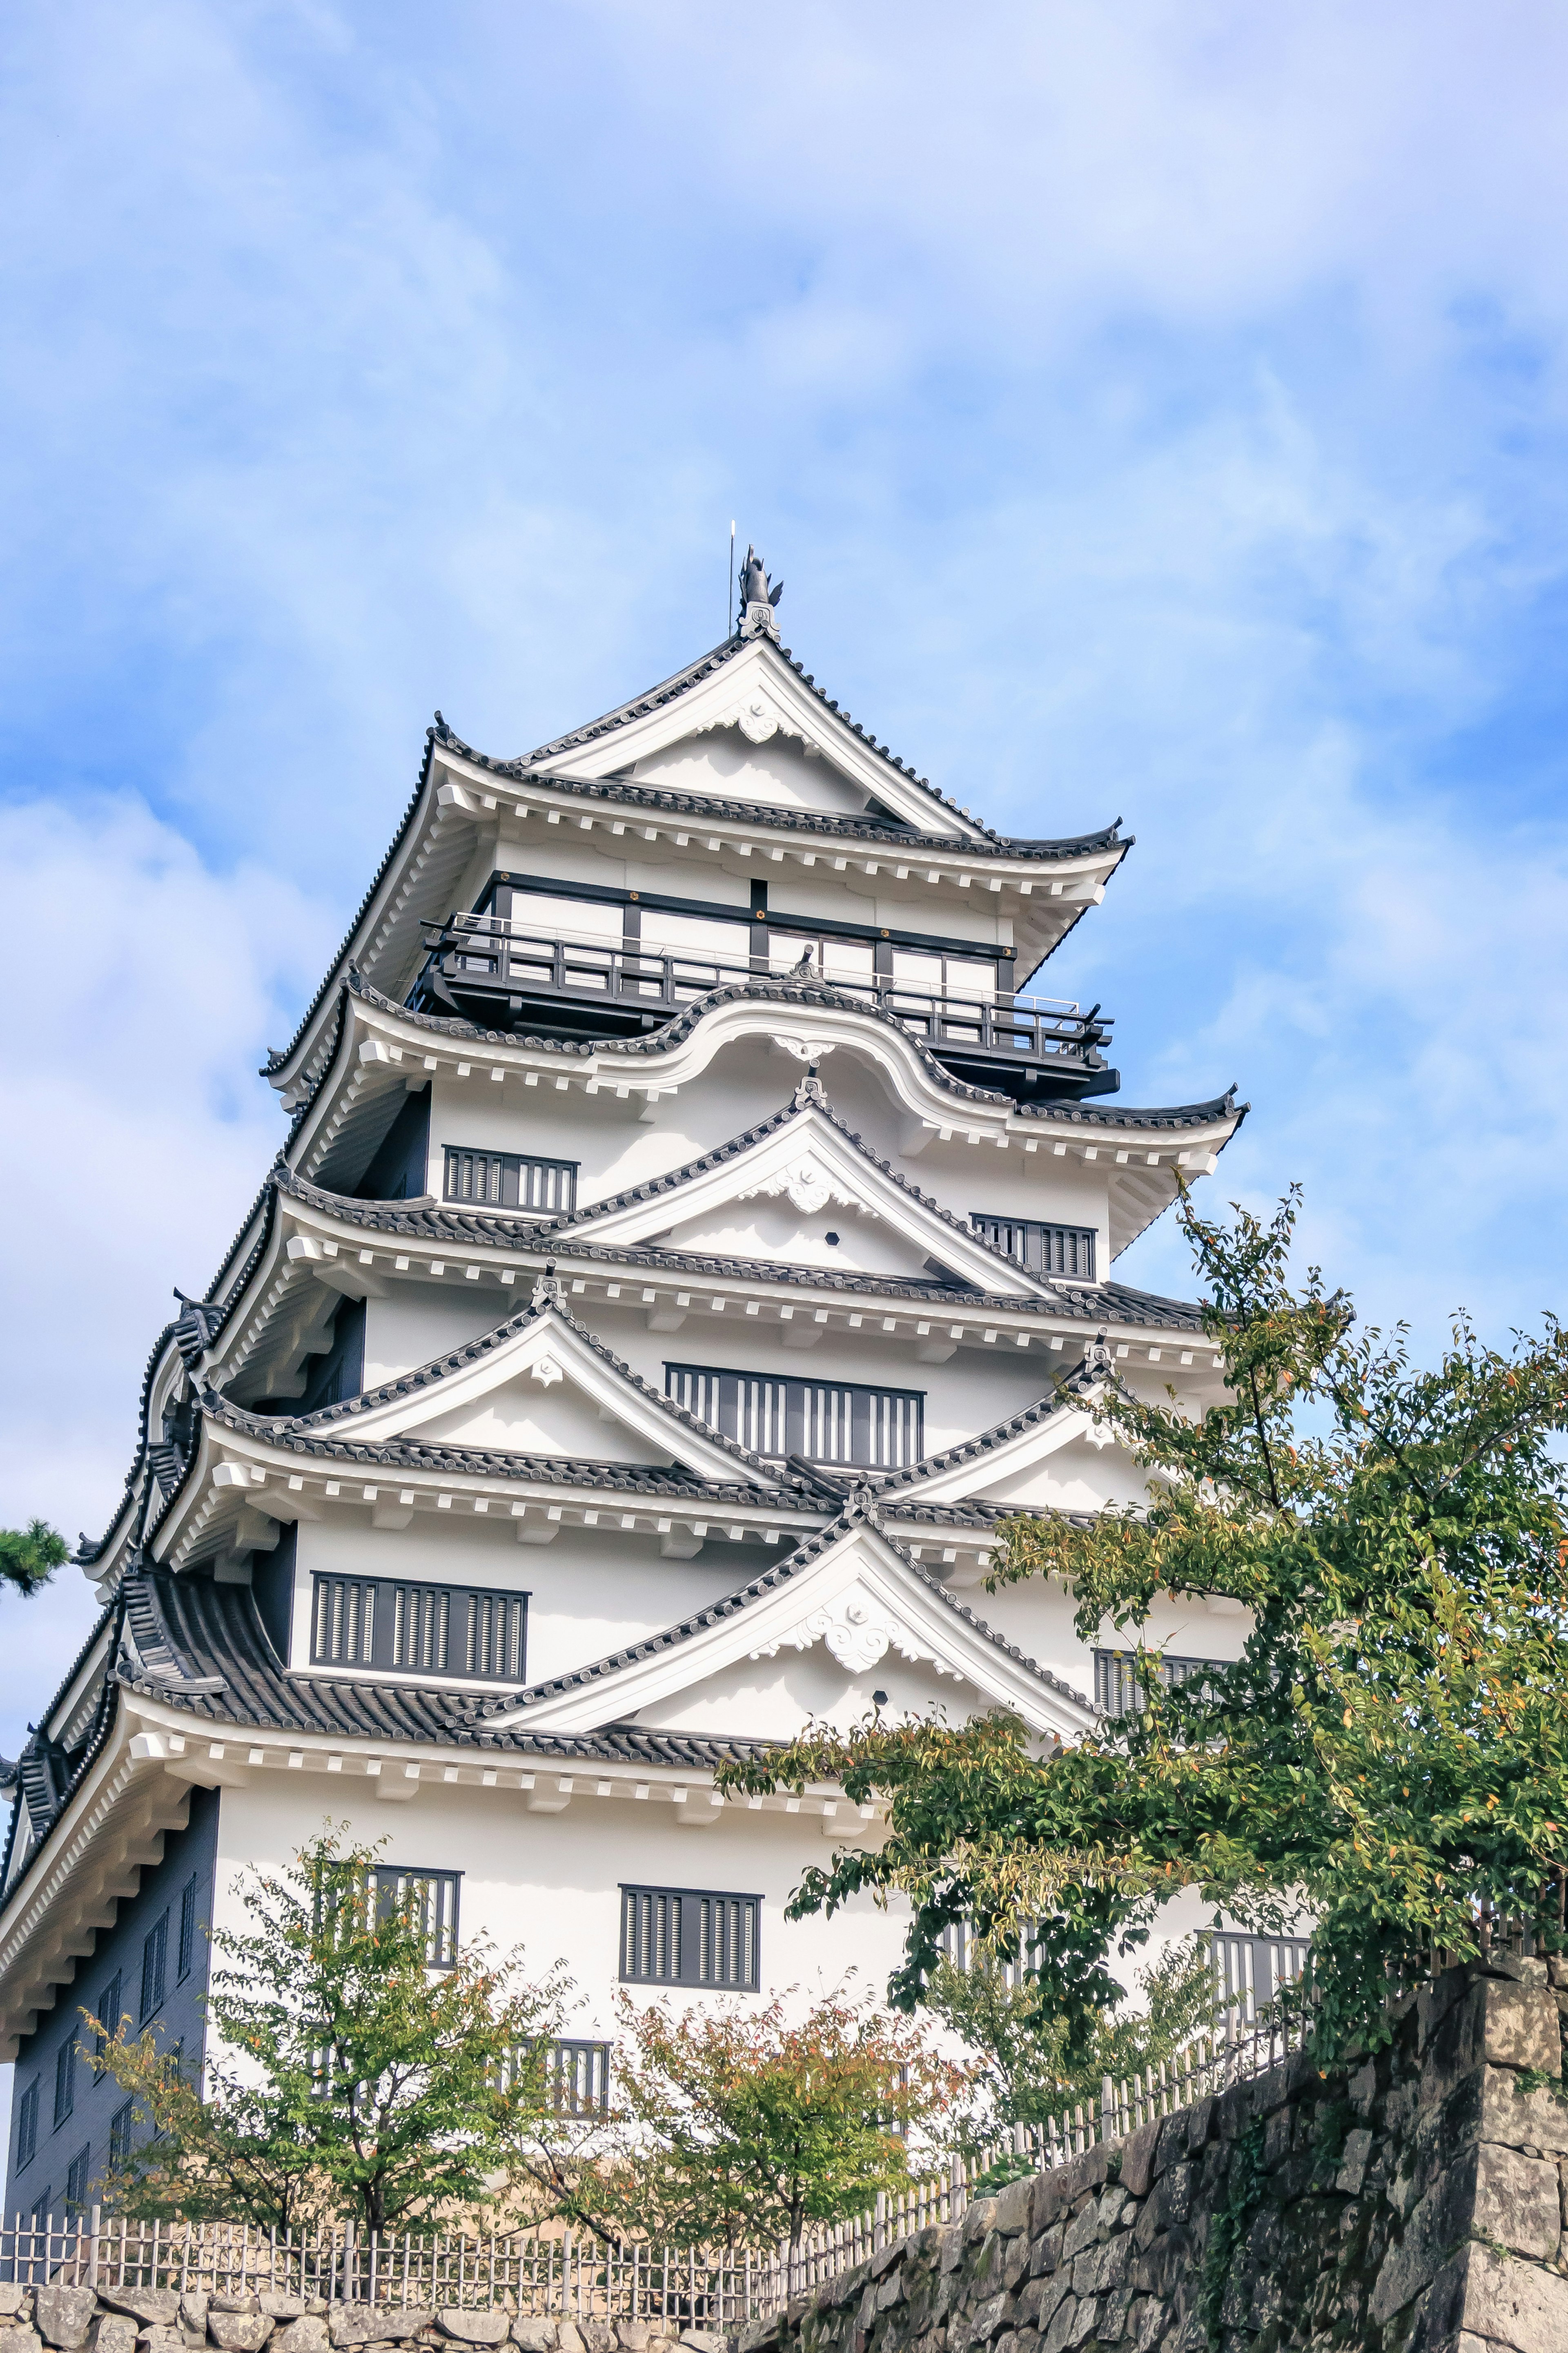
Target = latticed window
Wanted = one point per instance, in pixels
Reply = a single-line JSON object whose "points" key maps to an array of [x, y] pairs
{"points": [[1116, 1686], [78, 2174], [187, 1928], [119, 2125], [512, 1180], [65, 2081], [1044, 1249], [436, 1630], [27, 2124], [434, 1895], [685, 1936], [154, 1966], [825, 1421]]}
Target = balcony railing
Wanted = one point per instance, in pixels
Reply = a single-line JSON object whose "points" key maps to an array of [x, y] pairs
{"points": [[629, 987]]}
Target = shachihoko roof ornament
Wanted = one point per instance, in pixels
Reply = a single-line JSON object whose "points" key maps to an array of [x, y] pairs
{"points": [[759, 599]]}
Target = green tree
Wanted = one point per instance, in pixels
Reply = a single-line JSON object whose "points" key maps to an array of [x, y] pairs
{"points": [[735, 2125], [1028, 2069], [350, 2077], [30, 1556], [1390, 1752]]}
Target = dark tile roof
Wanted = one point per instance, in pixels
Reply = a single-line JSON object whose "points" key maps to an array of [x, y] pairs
{"points": [[1115, 1303], [862, 1508], [669, 690], [46, 1774], [219, 1629], [330, 1418]]}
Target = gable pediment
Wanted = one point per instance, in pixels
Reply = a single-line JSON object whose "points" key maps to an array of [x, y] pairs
{"points": [[788, 1184], [850, 1590]]}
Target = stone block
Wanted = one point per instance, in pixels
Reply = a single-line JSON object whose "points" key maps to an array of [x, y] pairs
{"points": [[153, 2307], [633, 2335], [160, 2339], [473, 2327], [890, 2290], [1353, 2161], [1517, 2201], [1138, 2156], [240, 2332], [598, 2336], [567, 2339], [196, 2304], [247, 2303], [115, 2333], [378, 2324], [306, 2335], [1063, 2330], [62, 2316], [979, 2220], [1508, 2304], [13, 2296], [701, 2340], [534, 2335], [1081, 2232], [1047, 2251], [16, 2337], [278, 2307], [1013, 2206]]}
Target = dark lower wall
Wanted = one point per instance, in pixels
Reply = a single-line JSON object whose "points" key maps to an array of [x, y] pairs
{"points": [[129, 1949], [1414, 2204]]}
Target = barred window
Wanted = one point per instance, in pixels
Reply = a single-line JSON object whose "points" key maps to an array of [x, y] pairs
{"points": [[108, 2014], [1250, 1971], [825, 1421], [27, 2124], [187, 1928], [685, 1936], [512, 1180], [577, 2080], [436, 1630], [435, 1907], [65, 2081], [1116, 1685], [119, 2125], [77, 2174], [1044, 1249], [154, 1966]]}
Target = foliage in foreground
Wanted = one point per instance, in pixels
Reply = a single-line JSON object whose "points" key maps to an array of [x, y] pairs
{"points": [[353, 2079], [1391, 1752], [740, 2125], [30, 1556], [1028, 2070]]}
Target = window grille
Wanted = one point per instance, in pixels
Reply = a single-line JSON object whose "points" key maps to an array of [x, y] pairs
{"points": [[577, 2079], [42, 2209], [1044, 1249], [108, 2014], [187, 1928], [77, 2174], [27, 2124], [155, 1964], [961, 1946], [685, 1936], [435, 1907], [120, 2136], [1116, 1686], [512, 1180], [436, 1629], [65, 2081], [825, 1421], [1250, 1971]]}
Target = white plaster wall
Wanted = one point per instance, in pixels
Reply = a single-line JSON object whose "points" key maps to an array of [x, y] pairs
{"points": [[724, 763]]}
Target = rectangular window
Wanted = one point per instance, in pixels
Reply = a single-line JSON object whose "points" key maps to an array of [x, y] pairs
{"points": [[78, 2174], [120, 2136], [187, 1928], [512, 1180], [154, 1966], [1116, 1687], [65, 2082], [826, 1421], [435, 1913], [689, 1937], [436, 1630], [578, 2079], [108, 2002], [1250, 1971], [27, 2124], [1044, 1249]]}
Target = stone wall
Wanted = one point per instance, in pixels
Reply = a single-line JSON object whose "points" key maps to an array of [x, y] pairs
{"points": [[1414, 2204], [158, 2320]]}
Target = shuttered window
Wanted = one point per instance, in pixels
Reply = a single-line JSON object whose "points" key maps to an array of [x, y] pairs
{"points": [[690, 1937], [154, 1966], [436, 1630], [435, 1900], [825, 1421], [1116, 1686], [1044, 1249], [511, 1180], [27, 2124]]}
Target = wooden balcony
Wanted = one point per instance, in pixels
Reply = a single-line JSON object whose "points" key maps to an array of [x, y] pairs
{"points": [[496, 971]]}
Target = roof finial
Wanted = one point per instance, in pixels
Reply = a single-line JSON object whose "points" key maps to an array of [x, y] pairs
{"points": [[758, 598], [546, 1289]]}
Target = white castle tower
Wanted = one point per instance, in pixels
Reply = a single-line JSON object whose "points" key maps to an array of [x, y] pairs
{"points": [[688, 1248]]}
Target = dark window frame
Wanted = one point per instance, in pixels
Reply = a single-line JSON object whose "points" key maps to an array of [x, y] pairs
{"points": [[1068, 1251], [691, 1934], [110, 2003], [120, 2124], [155, 1969], [79, 2175], [65, 2082], [27, 2124], [455, 1623], [442, 1931], [1117, 1690], [187, 1945], [758, 1413], [510, 1167], [577, 2077]]}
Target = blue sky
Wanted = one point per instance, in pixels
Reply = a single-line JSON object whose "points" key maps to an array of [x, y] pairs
{"points": [[1156, 411]]}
